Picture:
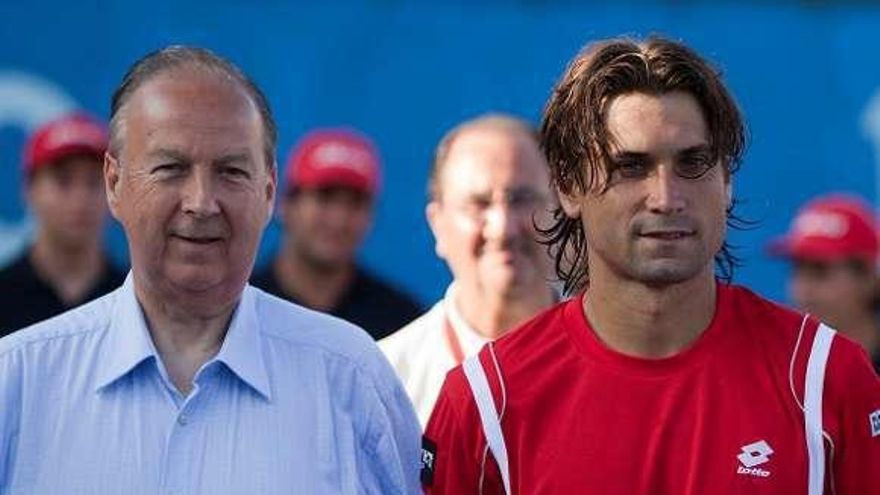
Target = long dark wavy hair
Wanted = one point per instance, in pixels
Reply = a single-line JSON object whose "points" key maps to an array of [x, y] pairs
{"points": [[575, 138]]}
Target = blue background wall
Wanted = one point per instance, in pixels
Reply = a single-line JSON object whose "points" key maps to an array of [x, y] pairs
{"points": [[405, 72]]}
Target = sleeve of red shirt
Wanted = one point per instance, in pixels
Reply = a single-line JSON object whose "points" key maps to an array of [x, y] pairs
{"points": [[455, 435], [853, 393]]}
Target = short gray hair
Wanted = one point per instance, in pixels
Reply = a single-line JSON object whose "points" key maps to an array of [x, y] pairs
{"points": [[188, 57], [500, 121]]}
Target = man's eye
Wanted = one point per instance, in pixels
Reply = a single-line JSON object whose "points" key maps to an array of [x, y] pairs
{"points": [[167, 168], [524, 199], [693, 167], [479, 204], [236, 172], [631, 169]]}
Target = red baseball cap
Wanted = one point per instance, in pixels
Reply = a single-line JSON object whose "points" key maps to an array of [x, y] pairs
{"points": [[832, 227], [334, 157], [72, 134]]}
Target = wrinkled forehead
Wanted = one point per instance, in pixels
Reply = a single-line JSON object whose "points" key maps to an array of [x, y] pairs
{"points": [[190, 110], [483, 161]]}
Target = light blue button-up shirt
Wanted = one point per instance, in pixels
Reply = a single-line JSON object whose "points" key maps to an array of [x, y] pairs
{"points": [[295, 402]]}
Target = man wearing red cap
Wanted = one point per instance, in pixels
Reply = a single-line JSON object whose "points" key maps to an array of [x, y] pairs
{"points": [[833, 247], [331, 182], [66, 265]]}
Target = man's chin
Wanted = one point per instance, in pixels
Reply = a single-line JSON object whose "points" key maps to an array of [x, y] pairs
{"points": [[76, 241], [198, 280], [329, 261], [667, 273], [504, 282]]}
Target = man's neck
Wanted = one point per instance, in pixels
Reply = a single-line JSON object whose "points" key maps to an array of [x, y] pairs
{"points": [[319, 288], [72, 273], [186, 337], [491, 315], [649, 322]]}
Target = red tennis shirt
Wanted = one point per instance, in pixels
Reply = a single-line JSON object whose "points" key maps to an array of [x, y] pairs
{"points": [[722, 417]]}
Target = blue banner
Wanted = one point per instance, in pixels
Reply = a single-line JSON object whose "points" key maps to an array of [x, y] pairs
{"points": [[805, 77]]}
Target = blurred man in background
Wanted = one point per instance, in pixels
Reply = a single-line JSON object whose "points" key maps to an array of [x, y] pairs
{"points": [[331, 183], [66, 266], [833, 248], [488, 187]]}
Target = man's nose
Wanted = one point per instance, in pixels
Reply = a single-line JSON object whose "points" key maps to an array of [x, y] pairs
{"points": [[199, 196], [665, 194], [501, 221]]}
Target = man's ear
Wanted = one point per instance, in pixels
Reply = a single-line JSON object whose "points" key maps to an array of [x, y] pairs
{"points": [[271, 191], [432, 213], [569, 203], [112, 184]]}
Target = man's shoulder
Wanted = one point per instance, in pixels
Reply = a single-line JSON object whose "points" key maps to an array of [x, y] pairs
{"points": [[381, 289], [523, 352], [13, 272], [290, 324], [743, 307], [538, 333], [414, 334], [83, 321], [342, 347]]}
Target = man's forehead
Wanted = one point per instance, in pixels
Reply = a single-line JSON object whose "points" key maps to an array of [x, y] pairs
{"points": [[189, 97], [191, 113], [489, 159], [81, 165], [640, 122]]}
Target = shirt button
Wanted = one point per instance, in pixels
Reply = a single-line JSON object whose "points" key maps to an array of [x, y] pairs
{"points": [[182, 420]]}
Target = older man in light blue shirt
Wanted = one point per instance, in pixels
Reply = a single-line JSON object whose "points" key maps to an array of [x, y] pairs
{"points": [[186, 380]]}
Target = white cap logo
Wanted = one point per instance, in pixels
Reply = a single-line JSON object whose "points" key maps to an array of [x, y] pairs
{"points": [[822, 224], [344, 156]]}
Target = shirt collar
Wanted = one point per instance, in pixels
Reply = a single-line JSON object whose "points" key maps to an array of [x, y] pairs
{"points": [[129, 342], [242, 350], [471, 341]]}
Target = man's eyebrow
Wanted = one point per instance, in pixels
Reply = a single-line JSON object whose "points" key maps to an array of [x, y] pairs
{"points": [[237, 157], [690, 150], [617, 155], [693, 150], [169, 154], [179, 156]]}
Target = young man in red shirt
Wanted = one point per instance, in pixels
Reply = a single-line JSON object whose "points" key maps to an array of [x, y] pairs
{"points": [[657, 378]]}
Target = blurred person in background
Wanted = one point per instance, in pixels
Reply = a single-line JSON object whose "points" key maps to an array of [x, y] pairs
{"points": [[833, 247], [330, 189], [488, 187], [66, 265]]}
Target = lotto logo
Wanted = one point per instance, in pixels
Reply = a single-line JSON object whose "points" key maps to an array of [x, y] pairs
{"points": [[874, 418], [752, 456]]}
